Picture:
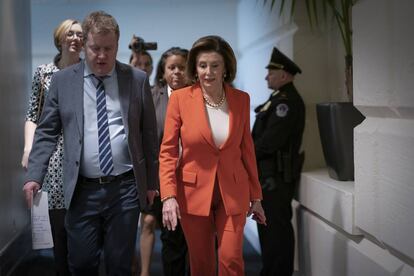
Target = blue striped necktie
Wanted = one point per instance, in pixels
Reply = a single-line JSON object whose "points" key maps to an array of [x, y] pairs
{"points": [[104, 142]]}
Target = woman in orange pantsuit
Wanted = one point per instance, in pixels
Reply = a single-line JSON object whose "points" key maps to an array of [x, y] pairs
{"points": [[208, 174]]}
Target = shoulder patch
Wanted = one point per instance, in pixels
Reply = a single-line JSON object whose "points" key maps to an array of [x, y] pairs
{"points": [[282, 110]]}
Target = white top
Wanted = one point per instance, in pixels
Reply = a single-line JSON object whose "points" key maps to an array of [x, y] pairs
{"points": [[219, 122]]}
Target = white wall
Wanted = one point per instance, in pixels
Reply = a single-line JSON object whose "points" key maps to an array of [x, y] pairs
{"points": [[365, 227], [259, 29], [168, 22], [384, 143], [318, 52]]}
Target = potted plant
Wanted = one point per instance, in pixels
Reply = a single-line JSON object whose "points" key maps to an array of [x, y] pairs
{"points": [[336, 120]]}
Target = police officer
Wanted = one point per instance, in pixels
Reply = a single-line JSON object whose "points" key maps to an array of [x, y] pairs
{"points": [[277, 134]]}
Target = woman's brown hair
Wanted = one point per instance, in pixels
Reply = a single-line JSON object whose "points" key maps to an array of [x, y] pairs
{"points": [[212, 43]]}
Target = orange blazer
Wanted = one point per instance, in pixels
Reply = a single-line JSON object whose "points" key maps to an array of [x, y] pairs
{"points": [[191, 176]]}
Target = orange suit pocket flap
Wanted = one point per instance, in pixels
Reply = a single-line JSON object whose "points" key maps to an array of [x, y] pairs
{"points": [[189, 177]]}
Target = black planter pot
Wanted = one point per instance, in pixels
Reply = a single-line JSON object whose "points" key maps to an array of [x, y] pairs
{"points": [[336, 128]]}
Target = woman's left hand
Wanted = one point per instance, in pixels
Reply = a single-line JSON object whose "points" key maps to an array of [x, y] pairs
{"points": [[170, 213], [258, 213]]}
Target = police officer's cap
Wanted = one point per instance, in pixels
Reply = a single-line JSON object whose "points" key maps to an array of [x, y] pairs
{"points": [[280, 61]]}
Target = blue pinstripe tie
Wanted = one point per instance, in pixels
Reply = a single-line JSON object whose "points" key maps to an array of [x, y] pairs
{"points": [[104, 142]]}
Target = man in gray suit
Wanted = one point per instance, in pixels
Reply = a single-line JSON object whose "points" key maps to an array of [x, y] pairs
{"points": [[106, 112]]}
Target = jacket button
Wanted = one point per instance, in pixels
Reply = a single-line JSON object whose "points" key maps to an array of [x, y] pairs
{"points": [[77, 163]]}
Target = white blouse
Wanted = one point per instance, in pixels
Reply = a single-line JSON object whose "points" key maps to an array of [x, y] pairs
{"points": [[219, 122]]}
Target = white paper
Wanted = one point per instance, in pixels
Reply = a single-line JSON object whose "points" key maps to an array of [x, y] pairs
{"points": [[41, 231]]}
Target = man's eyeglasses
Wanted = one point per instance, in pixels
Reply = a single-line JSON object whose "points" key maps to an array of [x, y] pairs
{"points": [[72, 34]]}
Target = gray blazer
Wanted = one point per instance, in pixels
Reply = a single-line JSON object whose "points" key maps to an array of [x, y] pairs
{"points": [[63, 109], [160, 98]]}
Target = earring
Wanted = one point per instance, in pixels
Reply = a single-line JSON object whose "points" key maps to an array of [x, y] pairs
{"points": [[224, 76]]}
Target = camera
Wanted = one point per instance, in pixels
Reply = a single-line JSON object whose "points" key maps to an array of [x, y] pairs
{"points": [[138, 44]]}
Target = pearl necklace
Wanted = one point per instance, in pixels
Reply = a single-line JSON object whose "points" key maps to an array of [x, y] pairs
{"points": [[212, 104]]}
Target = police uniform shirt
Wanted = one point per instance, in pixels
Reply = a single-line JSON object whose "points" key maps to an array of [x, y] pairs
{"points": [[279, 125]]}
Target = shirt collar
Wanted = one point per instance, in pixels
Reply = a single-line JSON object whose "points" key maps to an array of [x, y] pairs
{"points": [[88, 72], [169, 90]]}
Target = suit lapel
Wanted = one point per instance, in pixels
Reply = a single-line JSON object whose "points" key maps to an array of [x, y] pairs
{"points": [[77, 90], [160, 103], [164, 102], [124, 88], [200, 115]]}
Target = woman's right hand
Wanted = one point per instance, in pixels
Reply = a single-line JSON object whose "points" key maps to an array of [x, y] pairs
{"points": [[170, 213]]}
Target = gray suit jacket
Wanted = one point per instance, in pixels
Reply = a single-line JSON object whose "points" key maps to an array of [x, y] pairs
{"points": [[63, 109], [160, 98]]}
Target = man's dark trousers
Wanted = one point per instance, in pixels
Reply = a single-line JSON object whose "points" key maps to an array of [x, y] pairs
{"points": [[174, 252], [102, 216], [277, 237]]}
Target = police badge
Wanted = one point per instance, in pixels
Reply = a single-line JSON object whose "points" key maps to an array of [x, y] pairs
{"points": [[282, 110]]}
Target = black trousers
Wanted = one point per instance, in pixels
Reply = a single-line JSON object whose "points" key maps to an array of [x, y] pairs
{"points": [[277, 238], [60, 248], [102, 218], [174, 251]]}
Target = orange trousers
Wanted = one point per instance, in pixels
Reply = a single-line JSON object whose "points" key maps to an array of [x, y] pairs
{"points": [[201, 233]]}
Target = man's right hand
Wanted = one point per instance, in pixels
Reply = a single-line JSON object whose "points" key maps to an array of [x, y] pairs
{"points": [[30, 189]]}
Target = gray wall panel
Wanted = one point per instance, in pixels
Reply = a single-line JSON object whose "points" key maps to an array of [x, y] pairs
{"points": [[15, 78]]}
